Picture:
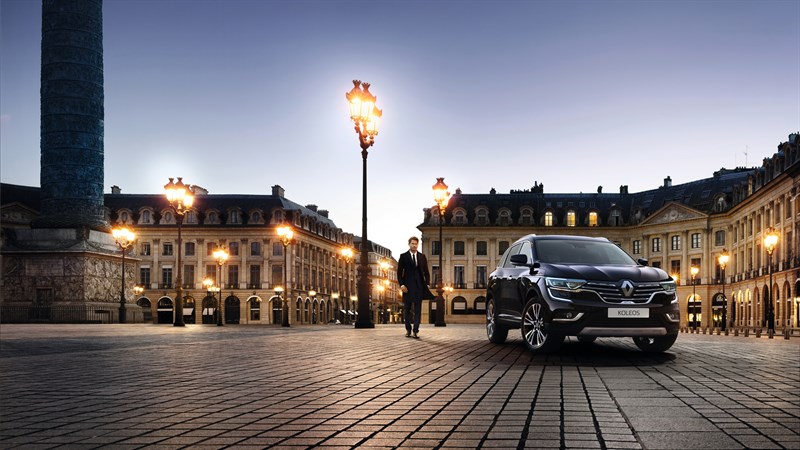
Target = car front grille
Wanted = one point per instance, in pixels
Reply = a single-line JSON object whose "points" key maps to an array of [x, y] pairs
{"points": [[611, 292]]}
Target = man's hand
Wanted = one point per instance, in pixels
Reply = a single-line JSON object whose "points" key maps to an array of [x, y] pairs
{"points": [[404, 289]]}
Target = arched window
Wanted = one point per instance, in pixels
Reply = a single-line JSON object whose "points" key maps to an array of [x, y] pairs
{"points": [[616, 218], [124, 217], [571, 218], [481, 217], [255, 217], [146, 217], [593, 219], [548, 219], [504, 217], [168, 217], [526, 216]]}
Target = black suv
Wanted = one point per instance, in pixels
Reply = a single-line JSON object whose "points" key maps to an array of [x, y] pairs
{"points": [[557, 286]]}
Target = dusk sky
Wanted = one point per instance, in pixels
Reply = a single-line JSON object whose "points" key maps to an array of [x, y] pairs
{"points": [[236, 96]]}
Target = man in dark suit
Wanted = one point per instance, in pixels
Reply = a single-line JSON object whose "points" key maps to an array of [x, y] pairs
{"points": [[414, 278]]}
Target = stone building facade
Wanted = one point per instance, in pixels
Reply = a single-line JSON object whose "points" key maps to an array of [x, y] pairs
{"points": [[320, 280], [673, 226]]}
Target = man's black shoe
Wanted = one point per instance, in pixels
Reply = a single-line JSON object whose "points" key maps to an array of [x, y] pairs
{"points": [[408, 334], [415, 336]]}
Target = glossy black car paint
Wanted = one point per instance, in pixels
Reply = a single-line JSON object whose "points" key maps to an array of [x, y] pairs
{"points": [[511, 286]]}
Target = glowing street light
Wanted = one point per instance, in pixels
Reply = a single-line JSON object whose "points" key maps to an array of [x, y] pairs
{"points": [[770, 243], [181, 199], [221, 255], [723, 259], [286, 235], [694, 270], [125, 239], [442, 198]]}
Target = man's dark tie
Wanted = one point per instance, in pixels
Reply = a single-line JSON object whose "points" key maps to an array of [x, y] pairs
{"points": [[414, 257]]}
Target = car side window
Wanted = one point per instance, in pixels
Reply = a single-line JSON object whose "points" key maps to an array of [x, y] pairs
{"points": [[527, 250], [507, 258]]}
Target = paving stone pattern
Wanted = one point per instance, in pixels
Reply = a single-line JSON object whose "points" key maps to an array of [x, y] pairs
{"points": [[157, 386]]}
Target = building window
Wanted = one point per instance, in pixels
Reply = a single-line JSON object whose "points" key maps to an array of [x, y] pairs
{"points": [[144, 276], [592, 219], [548, 219], [211, 272], [570, 218], [233, 217], [146, 217], [481, 248], [504, 218], [277, 249], [616, 219], [145, 249], [460, 218], [191, 217], [255, 277], [676, 243], [277, 275], [255, 249], [167, 249], [436, 247], [188, 249], [255, 309], [166, 277], [188, 276], [656, 264], [480, 276], [233, 249], [637, 247], [481, 217], [435, 274], [210, 246], [527, 217], [502, 247], [458, 278], [719, 238], [695, 262], [233, 276], [656, 247], [458, 248], [675, 267], [695, 240]]}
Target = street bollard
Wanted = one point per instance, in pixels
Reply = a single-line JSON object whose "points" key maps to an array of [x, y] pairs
{"points": [[786, 333], [758, 333], [771, 333], [736, 332], [718, 331], [726, 332], [747, 332]]}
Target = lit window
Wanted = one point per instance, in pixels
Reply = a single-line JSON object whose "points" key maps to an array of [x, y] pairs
{"points": [[592, 219], [570, 218], [548, 219]]}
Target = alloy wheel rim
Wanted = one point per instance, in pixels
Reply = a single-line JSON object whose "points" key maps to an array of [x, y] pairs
{"points": [[490, 318], [533, 326]]}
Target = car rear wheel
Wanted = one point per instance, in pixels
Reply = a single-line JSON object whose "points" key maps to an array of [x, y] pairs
{"points": [[587, 339], [536, 328], [497, 332], [655, 344]]}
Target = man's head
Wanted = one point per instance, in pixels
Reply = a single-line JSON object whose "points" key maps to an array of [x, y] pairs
{"points": [[413, 243]]}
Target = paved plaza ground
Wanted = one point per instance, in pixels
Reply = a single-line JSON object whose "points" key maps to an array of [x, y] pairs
{"points": [[157, 386]]}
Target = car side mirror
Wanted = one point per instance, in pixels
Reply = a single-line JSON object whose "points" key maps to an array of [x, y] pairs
{"points": [[642, 261], [519, 259]]}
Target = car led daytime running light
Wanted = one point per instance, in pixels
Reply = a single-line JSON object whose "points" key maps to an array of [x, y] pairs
{"points": [[568, 283]]}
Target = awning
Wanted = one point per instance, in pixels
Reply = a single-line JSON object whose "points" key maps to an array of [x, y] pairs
{"points": [[164, 309], [345, 312], [208, 311], [188, 311]]}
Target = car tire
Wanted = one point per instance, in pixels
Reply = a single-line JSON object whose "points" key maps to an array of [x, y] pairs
{"points": [[586, 339], [535, 327], [497, 332], [655, 344]]}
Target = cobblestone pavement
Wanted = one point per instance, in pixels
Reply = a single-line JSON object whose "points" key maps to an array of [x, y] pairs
{"points": [[156, 386]]}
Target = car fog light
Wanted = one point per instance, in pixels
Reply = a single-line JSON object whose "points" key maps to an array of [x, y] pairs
{"points": [[673, 316], [569, 315]]}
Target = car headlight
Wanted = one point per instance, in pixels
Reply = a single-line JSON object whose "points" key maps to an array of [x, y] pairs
{"points": [[669, 286], [564, 283]]}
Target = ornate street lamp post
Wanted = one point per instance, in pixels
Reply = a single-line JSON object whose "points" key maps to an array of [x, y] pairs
{"points": [[313, 295], [180, 199], [770, 242], [347, 254], [125, 239], [210, 289], [442, 197], [723, 259], [694, 270], [366, 116], [221, 255], [279, 292], [384, 267], [286, 235]]}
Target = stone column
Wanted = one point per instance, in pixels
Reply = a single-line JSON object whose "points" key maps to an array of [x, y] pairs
{"points": [[72, 115]]}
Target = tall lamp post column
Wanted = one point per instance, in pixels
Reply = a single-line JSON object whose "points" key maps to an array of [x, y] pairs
{"points": [[286, 235], [221, 255], [384, 266], [770, 242], [442, 197], [366, 116], [347, 254], [694, 270], [125, 239], [180, 199], [723, 259]]}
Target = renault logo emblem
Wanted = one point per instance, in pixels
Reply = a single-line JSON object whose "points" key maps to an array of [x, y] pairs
{"points": [[627, 288]]}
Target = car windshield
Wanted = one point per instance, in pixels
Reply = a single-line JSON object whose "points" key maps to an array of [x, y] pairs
{"points": [[567, 251]]}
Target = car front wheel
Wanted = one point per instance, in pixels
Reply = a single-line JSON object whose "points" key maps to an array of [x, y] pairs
{"points": [[655, 344], [536, 328], [497, 332]]}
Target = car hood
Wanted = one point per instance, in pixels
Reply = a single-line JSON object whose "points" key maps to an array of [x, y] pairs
{"points": [[604, 273]]}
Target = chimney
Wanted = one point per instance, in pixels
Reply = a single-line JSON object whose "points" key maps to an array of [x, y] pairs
{"points": [[115, 190], [668, 182], [277, 190], [599, 189], [323, 212], [623, 189], [312, 207]]}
